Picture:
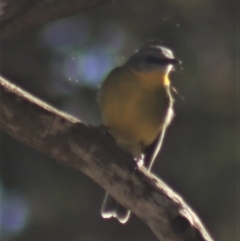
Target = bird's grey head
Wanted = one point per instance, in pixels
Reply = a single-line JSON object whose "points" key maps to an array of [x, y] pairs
{"points": [[152, 58]]}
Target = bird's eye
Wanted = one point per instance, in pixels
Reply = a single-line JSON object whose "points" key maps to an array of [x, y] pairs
{"points": [[152, 59], [155, 60]]}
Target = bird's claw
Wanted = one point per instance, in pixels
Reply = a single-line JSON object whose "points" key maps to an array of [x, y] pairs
{"points": [[139, 161]]}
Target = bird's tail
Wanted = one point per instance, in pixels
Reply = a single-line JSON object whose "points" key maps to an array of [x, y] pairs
{"points": [[111, 208]]}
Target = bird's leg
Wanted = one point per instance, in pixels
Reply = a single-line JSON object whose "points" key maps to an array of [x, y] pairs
{"points": [[139, 160]]}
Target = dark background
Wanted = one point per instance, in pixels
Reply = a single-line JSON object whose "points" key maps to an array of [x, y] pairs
{"points": [[64, 62]]}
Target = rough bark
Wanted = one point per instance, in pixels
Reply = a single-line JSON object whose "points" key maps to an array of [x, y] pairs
{"points": [[17, 15], [93, 152]]}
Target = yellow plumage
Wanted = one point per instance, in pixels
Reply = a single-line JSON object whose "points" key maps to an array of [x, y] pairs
{"points": [[133, 107], [137, 106]]}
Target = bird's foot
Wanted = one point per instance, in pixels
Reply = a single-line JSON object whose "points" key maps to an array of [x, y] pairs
{"points": [[139, 161]]}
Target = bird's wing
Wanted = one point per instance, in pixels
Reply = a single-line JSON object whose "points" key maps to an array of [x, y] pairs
{"points": [[152, 151]]}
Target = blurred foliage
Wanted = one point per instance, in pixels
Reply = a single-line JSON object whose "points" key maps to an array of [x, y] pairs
{"points": [[64, 63]]}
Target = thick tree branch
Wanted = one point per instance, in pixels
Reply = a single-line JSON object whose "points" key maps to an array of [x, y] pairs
{"points": [[93, 152], [17, 15]]}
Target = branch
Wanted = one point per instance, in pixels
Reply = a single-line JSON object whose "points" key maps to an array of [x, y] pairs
{"points": [[17, 15], [93, 152]]}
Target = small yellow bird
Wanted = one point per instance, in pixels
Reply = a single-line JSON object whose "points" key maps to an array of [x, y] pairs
{"points": [[137, 106]]}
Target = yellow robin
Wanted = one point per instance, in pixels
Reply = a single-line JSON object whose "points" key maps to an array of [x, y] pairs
{"points": [[137, 106]]}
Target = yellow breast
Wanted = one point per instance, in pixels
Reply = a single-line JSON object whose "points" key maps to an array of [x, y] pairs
{"points": [[133, 106]]}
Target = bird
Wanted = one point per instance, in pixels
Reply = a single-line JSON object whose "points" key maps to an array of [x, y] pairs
{"points": [[136, 105]]}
